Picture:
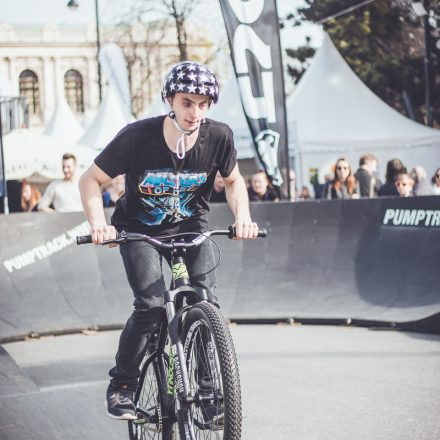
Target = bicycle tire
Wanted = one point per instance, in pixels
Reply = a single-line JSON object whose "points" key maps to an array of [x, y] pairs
{"points": [[151, 397], [208, 346]]}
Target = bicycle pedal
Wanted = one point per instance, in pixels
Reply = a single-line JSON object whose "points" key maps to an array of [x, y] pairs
{"points": [[139, 421]]}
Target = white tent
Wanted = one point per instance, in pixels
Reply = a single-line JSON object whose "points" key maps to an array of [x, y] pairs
{"points": [[37, 157], [109, 120], [230, 111], [157, 107], [63, 124], [332, 113]]}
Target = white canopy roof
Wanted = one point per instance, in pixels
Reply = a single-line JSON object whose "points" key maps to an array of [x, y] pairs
{"points": [[332, 113], [63, 124], [109, 120], [157, 107], [35, 156], [230, 111]]}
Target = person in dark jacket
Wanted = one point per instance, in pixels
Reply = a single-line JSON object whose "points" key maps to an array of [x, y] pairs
{"points": [[260, 189], [218, 194], [395, 168], [369, 184]]}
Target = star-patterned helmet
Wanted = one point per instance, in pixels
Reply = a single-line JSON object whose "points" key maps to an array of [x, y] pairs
{"points": [[190, 77]]}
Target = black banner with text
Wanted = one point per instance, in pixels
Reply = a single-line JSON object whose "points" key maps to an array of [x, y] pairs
{"points": [[253, 34]]}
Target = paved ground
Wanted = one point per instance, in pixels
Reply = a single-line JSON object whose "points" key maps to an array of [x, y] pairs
{"points": [[298, 382]]}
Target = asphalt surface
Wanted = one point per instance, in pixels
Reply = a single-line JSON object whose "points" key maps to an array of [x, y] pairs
{"points": [[298, 382]]}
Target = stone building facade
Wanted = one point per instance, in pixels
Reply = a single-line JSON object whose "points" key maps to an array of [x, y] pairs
{"points": [[46, 61]]}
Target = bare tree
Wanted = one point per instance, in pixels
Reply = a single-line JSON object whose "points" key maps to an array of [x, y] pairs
{"points": [[139, 42], [180, 11], [145, 32]]}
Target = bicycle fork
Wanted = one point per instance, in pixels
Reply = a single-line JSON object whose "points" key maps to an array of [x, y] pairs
{"points": [[177, 369]]}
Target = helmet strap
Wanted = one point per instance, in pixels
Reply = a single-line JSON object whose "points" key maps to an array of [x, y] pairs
{"points": [[180, 145]]}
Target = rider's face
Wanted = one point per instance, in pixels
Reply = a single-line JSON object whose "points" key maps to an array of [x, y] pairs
{"points": [[190, 109]]}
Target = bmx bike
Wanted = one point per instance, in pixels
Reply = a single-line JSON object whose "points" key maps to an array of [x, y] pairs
{"points": [[189, 375]]}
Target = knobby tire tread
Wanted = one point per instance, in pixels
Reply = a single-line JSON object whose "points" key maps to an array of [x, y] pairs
{"points": [[228, 365]]}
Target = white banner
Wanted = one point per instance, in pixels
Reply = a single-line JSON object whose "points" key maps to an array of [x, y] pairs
{"points": [[114, 66]]}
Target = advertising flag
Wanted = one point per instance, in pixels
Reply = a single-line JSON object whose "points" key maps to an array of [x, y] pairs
{"points": [[253, 34]]}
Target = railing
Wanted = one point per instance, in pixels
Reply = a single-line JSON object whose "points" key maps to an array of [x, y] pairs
{"points": [[14, 113]]}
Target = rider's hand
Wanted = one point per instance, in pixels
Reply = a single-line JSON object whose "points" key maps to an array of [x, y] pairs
{"points": [[245, 229], [101, 233]]}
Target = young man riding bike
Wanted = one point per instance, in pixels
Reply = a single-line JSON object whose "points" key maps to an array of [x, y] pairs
{"points": [[170, 163]]}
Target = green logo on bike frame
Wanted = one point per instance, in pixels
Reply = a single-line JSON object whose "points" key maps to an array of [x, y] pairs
{"points": [[180, 271]]}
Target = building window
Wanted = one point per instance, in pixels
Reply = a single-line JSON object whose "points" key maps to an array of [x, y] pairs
{"points": [[73, 89], [28, 86]]}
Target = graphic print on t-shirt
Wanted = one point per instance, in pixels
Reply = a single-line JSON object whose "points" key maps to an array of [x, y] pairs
{"points": [[166, 196]]}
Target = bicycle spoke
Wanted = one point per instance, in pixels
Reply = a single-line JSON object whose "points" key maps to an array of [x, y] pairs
{"points": [[149, 424]]}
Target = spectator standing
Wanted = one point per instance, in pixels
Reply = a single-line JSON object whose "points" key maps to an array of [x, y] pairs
{"points": [[344, 185], [260, 190], [421, 184], [63, 194], [218, 194], [436, 183], [394, 169], [305, 193], [369, 184], [114, 192], [30, 196], [405, 185], [292, 185]]}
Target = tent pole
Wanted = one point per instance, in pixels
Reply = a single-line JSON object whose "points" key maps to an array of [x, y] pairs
{"points": [[427, 63], [5, 187], [297, 157]]}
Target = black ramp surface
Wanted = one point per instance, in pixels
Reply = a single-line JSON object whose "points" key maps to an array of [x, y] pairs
{"points": [[322, 260]]}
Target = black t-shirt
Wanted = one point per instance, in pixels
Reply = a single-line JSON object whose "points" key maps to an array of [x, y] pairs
{"points": [[163, 194]]}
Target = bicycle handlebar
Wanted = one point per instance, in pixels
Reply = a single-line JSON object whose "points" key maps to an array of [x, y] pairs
{"points": [[125, 237]]}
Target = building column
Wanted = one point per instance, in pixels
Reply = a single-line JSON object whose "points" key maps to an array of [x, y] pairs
{"points": [[13, 76], [48, 100], [58, 79]]}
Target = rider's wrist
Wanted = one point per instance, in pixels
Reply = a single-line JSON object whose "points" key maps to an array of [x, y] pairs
{"points": [[98, 225]]}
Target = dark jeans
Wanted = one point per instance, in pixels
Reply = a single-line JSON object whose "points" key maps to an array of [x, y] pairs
{"points": [[143, 265]]}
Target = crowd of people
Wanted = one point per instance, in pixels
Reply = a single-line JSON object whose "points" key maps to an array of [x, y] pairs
{"points": [[342, 183], [399, 181], [62, 195]]}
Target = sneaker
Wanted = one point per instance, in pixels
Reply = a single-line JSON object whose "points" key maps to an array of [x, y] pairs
{"points": [[120, 402]]}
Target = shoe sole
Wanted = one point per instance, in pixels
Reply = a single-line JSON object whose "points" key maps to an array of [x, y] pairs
{"points": [[125, 416]]}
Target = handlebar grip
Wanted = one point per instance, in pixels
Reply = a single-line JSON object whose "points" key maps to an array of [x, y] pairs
{"points": [[84, 239], [261, 232]]}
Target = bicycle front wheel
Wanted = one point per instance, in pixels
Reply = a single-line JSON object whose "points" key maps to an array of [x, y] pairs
{"points": [[155, 409], [213, 376]]}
